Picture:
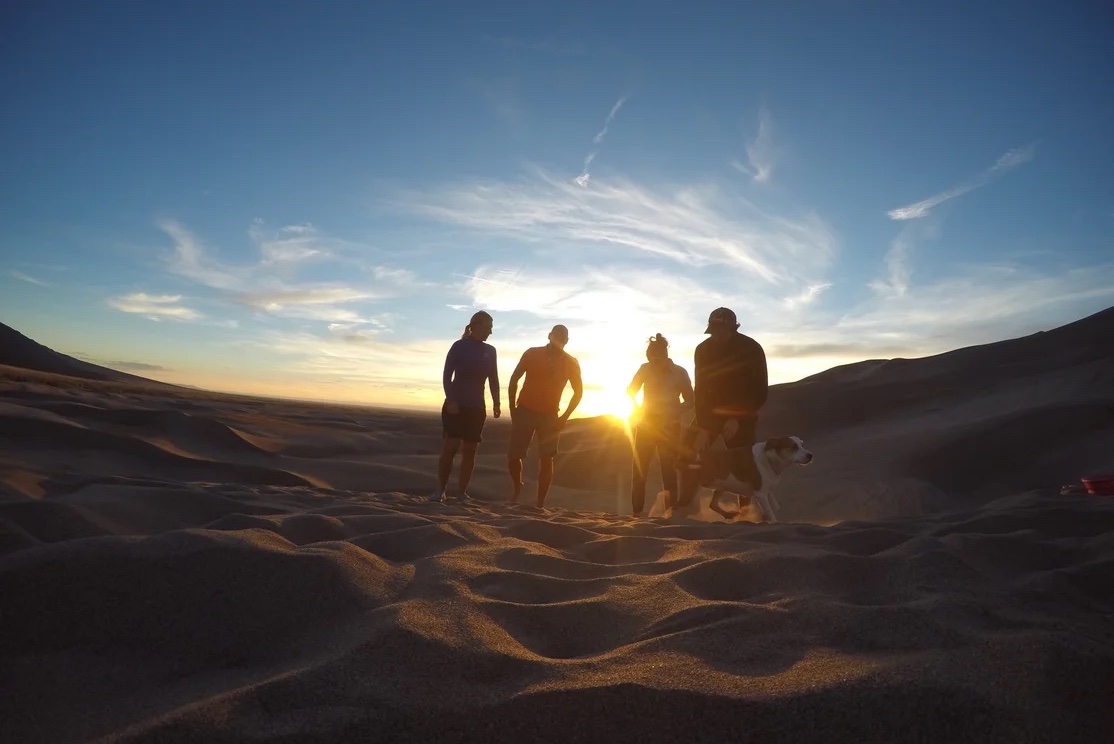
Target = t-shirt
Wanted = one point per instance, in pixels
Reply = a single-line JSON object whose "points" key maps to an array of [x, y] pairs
{"points": [[662, 388], [467, 365], [548, 370]]}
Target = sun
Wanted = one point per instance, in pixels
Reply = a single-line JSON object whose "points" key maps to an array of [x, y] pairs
{"points": [[614, 401], [607, 367]]}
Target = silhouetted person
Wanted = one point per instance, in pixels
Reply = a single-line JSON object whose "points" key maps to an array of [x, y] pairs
{"points": [[731, 384], [469, 364], [657, 423], [547, 369]]}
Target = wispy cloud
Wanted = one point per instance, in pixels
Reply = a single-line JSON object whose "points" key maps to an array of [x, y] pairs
{"points": [[1006, 162], [28, 278], [292, 244], [584, 176], [136, 366], [582, 293], [760, 151], [154, 307], [267, 285], [981, 304], [692, 225], [807, 297], [598, 139], [898, 258]]}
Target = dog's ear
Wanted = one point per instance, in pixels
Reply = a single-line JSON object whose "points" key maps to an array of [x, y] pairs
{"points": [[780, 443]]}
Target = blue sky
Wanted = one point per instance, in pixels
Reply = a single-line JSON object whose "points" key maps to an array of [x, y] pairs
{"points": [[310, 199]]}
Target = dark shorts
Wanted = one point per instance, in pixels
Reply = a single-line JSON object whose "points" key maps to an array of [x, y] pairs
{"points": [[744, 437], [523, 426], [467, 425]]}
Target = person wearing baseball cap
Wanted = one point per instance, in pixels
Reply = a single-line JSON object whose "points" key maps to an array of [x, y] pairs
{"points": [[731, 383]]}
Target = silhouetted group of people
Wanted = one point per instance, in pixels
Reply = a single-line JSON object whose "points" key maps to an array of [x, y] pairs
{"points": [[729, 387]]}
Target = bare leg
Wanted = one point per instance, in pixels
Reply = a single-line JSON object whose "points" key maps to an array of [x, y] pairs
{"points": [[514, 466], [545, 477], [449, 449], [467, 464]]}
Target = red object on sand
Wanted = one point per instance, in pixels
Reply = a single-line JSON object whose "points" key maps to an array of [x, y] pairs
{"points": [[1100, 485]]}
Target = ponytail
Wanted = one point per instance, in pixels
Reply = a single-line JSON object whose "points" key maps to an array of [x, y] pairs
{"points": [[658, 346], [481, 315]]}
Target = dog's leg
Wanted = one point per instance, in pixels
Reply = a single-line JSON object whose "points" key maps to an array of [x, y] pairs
{"points": [[768, 512], [717, 507]]}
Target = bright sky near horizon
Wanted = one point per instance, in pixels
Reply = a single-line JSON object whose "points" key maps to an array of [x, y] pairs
{"points": [[309, 199]]}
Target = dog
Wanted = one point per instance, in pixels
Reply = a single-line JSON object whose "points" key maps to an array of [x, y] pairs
{"points": [[735, 482]]}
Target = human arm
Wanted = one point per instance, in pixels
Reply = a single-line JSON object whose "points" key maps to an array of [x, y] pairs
{"points": [[577, 391], [761, 377], [636, 382], [451, 362], [512, 388], [686, 390], [703, 397], [753, 379], [493, 383]]}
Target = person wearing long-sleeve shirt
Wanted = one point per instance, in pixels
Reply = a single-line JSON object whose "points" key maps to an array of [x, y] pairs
{"points": [[656, 425], [731, 382], [470, 363]]}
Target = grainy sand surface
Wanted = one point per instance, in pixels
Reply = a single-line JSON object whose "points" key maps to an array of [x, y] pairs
{"points": [[184, 567]]}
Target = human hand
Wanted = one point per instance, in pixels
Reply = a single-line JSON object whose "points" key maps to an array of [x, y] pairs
{"points": [[561, 423], [452, 407], [513, 410], [730, 429], [496, 411]]}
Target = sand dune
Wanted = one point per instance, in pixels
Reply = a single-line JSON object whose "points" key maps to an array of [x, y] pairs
{"points": [[227, 613], [177, 566], [19, 351]]}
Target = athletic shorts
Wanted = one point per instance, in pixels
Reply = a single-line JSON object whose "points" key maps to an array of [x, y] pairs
{"points": [[467, 425], [523, 426], [744, 437]]}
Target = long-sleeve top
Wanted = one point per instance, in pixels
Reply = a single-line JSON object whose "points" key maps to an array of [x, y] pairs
{"points": [[731, 380], [468, 365], [661, 389]]}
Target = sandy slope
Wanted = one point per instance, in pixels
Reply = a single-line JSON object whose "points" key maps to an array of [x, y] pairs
{"points": [[183, 569], [178, 566]]}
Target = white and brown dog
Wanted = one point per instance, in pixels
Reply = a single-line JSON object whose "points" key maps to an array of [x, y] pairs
{"points": [[734, 483]]}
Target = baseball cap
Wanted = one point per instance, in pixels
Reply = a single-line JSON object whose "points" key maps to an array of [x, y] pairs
{"points": [[722, 316]]}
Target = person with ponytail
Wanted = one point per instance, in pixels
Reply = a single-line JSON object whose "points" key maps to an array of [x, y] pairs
{"points": [[470, 363], [666, 391]]}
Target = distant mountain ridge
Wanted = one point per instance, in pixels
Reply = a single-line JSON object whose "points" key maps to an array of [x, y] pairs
{"points": [[1034, 412], [17, 350]]}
